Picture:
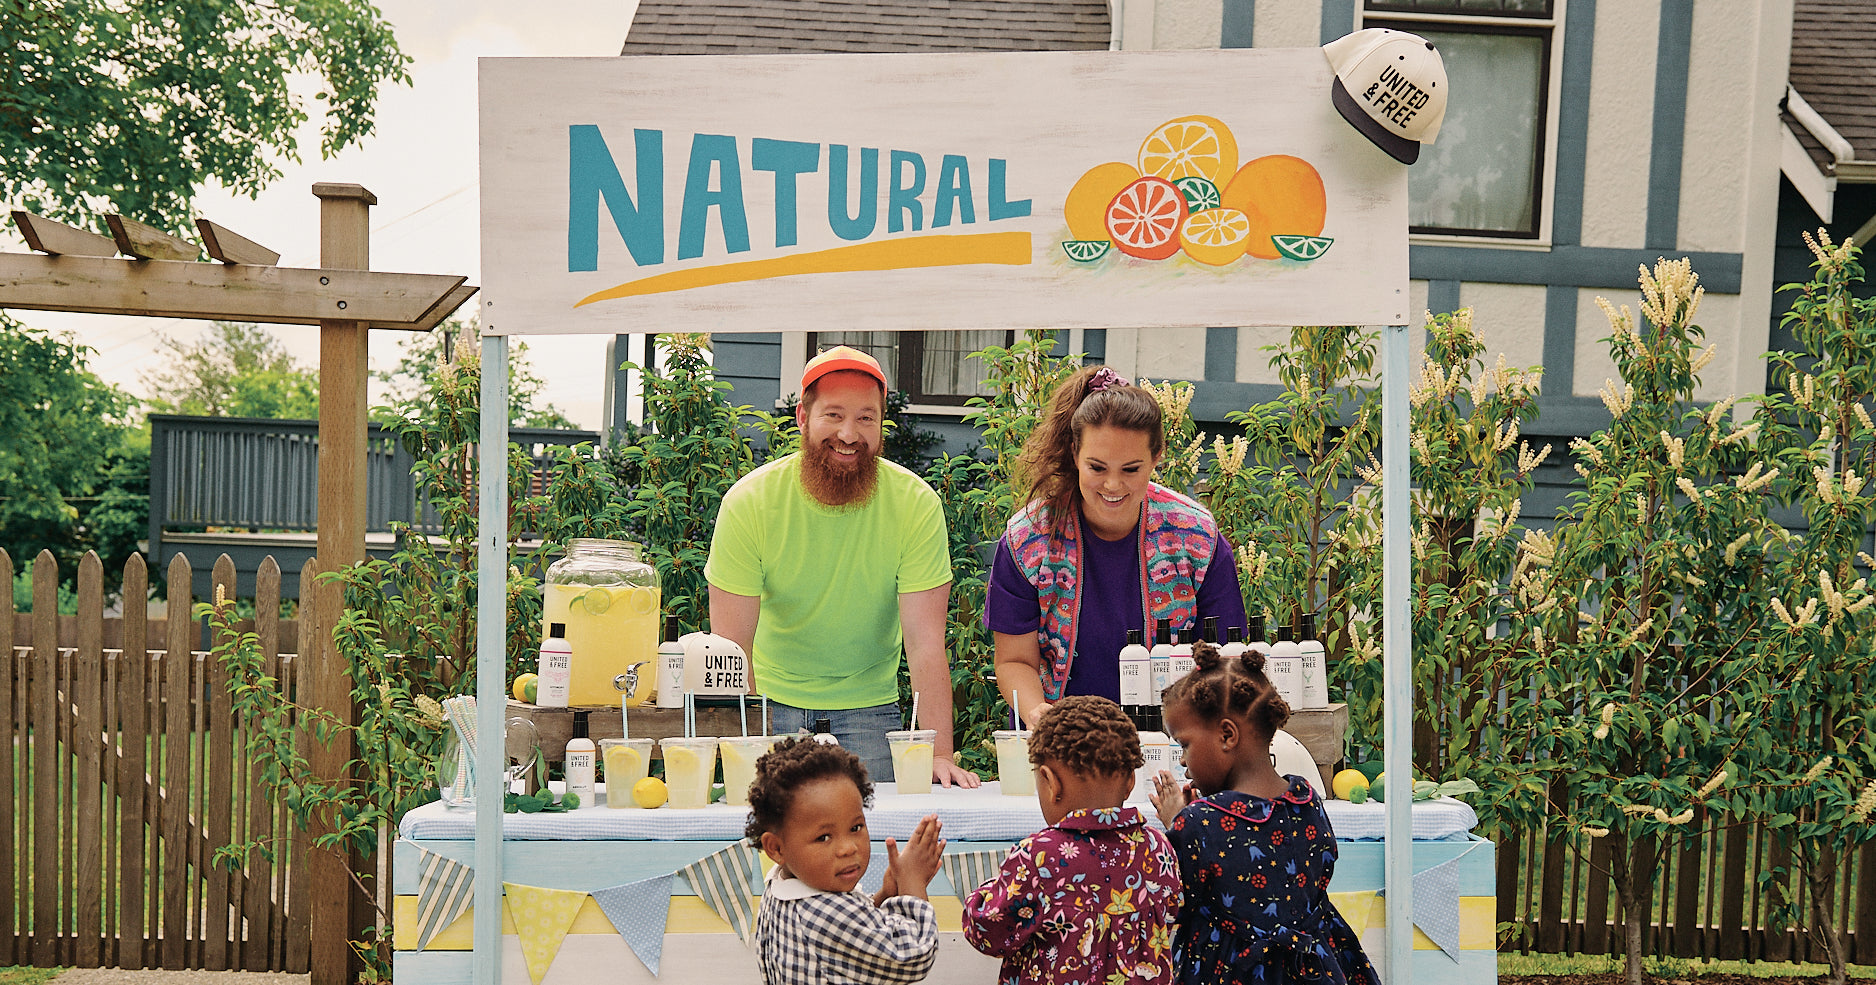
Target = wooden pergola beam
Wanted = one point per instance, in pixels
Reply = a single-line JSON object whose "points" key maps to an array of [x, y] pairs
{"points": [[243, 292], [135, 239], [51, 236], [228, 246]]}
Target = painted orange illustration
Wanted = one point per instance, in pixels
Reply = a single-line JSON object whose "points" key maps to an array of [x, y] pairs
{"points": [[1282, 196], [1189, 195], [1144, 219]]}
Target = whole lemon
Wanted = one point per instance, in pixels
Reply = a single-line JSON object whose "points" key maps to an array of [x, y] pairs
{"points": [[526, 687], [650, 792], [1348, 780]]}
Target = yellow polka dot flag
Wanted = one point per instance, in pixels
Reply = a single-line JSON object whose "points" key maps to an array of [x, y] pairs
{"points": [[542, 918]]}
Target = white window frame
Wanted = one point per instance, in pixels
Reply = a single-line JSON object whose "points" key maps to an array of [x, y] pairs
{"points": [[1547, 196]]}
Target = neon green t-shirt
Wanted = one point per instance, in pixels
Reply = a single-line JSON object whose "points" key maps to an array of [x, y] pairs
{"points": [[829, 578]]}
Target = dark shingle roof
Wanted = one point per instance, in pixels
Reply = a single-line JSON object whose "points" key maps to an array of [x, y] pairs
{"points": [[778, 27], [1833, 66]]}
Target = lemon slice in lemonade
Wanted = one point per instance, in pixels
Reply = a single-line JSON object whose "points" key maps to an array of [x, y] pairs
{"points": [[623, 762], [1085, 250], [1187, 146], [595, 601], [639, 600], [677, 759], [1302, 247]]}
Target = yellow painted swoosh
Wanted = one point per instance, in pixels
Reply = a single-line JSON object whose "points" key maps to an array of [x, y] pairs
{"points": [[1012, 248]]}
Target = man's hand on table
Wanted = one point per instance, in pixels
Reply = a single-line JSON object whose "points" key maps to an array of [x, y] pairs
{"points": [[947, 772]]}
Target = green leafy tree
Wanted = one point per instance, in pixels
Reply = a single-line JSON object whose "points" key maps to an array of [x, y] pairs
{"points": [[424, 358], [1815, 780], [234, 370], [62, 431], [134, 106]]}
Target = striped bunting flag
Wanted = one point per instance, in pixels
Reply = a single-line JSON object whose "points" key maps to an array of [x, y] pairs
{"points": [[445, 891], [726, 881], [968, 870]]}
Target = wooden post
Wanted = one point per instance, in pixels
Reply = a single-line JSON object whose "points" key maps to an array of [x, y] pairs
{"points": [[344, 244]]}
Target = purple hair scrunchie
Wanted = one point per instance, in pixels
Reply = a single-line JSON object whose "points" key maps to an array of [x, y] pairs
{"points": [[1105, 378]]}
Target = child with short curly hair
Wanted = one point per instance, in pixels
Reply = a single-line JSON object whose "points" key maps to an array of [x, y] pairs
{"points": [[807, 812], [1255, 848], [1091, 897]]}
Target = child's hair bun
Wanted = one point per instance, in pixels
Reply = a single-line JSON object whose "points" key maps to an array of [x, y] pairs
{"points": [[1253, 661], [1205, 656]]}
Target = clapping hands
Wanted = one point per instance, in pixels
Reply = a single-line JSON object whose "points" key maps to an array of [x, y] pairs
{"points": [[908, 872]]}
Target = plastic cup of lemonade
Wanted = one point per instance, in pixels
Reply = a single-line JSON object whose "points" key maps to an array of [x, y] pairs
{"points": [[689, 766], [911, 759], [626, 762], [740, 753], [1014, 772]]}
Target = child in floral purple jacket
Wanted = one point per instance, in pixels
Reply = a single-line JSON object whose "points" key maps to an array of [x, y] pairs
{"points": [[1091, 897]]}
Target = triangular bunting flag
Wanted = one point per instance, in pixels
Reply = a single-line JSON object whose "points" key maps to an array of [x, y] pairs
{"points": [[726, 881], [445, 891], [1436, 905], [968, 870], [638, 911], [542, 917], [1355, 908]]}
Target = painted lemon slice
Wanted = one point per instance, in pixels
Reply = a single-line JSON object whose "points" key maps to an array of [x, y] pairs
{"points": [[1302, 247], [1085, 250]]}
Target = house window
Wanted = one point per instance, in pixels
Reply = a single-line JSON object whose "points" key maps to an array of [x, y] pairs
{"points": [[1484, 174], [928, 367]]}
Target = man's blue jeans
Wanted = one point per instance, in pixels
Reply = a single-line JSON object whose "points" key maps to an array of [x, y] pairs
{"points": [[861, 731]]}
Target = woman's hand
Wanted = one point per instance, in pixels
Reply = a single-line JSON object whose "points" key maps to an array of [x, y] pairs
{"points": [[1168, 797], [1035, 713]]}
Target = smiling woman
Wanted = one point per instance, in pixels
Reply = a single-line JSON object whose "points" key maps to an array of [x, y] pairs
{"points": [[1099, 550]]}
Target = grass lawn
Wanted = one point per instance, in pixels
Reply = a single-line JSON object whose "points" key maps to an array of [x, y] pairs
{"points": [[28, 976], [1660, 968]]}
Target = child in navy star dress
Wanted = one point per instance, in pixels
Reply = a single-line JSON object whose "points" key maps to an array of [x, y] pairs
{"points": [[1255, 849]]}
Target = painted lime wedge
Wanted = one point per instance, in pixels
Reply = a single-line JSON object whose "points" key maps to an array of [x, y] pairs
{"points": [[1200, 193], [1302, 247], [1085, 250]]}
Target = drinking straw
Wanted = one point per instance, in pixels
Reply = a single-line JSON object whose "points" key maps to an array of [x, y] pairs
{"points": [[1016, 723], [915, 709], [460, 709], [742, 712]]}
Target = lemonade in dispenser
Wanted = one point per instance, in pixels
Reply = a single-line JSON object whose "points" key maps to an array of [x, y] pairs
{"points": [[610, 602]]}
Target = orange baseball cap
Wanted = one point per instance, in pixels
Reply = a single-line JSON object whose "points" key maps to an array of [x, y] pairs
{"points": [[838, 358]]}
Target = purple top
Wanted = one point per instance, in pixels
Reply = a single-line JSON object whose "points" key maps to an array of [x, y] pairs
{"points": [[1111, 604]]}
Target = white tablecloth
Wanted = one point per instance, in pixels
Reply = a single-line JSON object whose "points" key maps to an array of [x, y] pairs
{"points": [[983, 814]]}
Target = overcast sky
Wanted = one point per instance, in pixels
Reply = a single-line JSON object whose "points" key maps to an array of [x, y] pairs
{"points": [[421, 165]]}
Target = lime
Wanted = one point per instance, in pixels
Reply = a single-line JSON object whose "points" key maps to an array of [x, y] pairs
{"points": [[595, 601], [1085, 250], [1358, 795], [1378, 789], [650, 792], [1302, 247], [1200, 193], [570, 800], [532, 692], [524, 689]]}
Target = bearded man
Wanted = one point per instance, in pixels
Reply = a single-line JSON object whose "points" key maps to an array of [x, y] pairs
{"points": [[827, 563]]}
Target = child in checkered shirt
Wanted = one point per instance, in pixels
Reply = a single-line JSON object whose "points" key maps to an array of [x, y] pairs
{"points": [[807, 812]]}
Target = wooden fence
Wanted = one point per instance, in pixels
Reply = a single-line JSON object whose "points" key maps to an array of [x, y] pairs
{"points": [[128, 771]]}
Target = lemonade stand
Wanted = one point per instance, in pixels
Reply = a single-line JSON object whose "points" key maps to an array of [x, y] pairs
{"points": [[879, 192]]}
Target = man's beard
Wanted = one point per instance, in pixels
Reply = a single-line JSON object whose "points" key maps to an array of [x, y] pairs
{"points": [[834, 482]]}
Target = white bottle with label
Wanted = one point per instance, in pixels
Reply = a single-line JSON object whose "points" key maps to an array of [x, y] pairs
{"points": [[1156, 749], [824, 732], [581, 761], [1161, 656], [1284, 667], [1315, 664], [1234, 643], [1181, 664], [556, 668], [671, 666], [1136, 676], [1255, 641]]}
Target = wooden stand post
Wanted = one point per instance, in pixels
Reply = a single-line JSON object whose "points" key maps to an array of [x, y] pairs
{"points": [[344, 244]]}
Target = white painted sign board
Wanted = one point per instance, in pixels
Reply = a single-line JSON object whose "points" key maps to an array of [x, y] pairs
{"points": [[932, 191]]}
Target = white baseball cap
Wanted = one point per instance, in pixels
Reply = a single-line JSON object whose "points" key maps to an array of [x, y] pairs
{"points": [[1391, 86]]}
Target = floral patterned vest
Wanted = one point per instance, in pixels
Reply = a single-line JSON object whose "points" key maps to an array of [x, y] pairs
{"points": [[1177, 538]]}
